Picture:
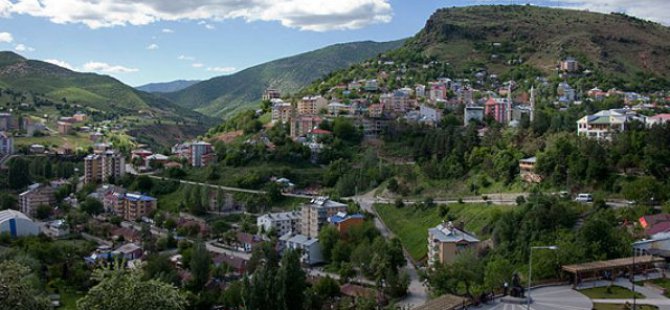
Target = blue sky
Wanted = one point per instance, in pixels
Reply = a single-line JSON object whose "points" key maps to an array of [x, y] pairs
{"points": [[142, 41]]}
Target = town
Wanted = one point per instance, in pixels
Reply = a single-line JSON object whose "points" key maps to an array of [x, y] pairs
{"points": [[404, 181]]}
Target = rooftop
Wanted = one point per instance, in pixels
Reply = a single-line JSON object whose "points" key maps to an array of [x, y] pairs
{"points": [[447, 232], [139, 197], [12, 214]]}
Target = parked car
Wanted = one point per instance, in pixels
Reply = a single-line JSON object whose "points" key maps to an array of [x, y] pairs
{"points": [[583, 197]]}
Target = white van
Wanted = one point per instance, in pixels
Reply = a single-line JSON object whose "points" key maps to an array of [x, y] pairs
{"points": [[584, 198]]}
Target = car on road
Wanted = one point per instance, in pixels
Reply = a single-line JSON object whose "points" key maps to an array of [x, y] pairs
{"points": [[584, 197]]}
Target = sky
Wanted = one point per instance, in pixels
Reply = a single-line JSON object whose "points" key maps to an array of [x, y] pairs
{"points": [[144, 41]]}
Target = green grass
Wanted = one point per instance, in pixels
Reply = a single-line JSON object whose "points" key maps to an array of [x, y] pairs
{"points": [[621, 307], [68, 299], [72, 141], [663, 282], [615, 292], [410, 224]]}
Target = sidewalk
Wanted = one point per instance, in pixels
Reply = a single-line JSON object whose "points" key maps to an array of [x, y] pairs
{"points": [[652, 296]]}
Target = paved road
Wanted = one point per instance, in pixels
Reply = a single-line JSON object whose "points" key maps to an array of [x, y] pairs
{"points": [[220, 250], [417, 294], [547, 298], [228, 188]]}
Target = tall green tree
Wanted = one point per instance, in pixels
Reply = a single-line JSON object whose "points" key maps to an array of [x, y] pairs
{"points": [[291, 280], [16, 292], [200, 266], [18, 173]]}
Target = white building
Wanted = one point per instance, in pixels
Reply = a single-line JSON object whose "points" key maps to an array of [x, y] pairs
{"points": [[282, 223], [604, 124], [17, 224], [6, 143], [281, 111], [310, 249]]}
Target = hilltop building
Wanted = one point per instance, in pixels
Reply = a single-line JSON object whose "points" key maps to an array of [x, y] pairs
{"points": [[605, 123], [446, 241], [270, 94]]}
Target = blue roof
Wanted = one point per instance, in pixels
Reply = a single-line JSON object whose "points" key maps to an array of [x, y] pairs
{"points": [[139, 197], [336, 219]]}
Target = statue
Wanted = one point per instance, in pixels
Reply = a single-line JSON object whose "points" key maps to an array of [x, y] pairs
{"points": [[517, 289]]}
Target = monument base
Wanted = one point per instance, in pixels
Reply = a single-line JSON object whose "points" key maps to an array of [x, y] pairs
{"points": [[515, 300]]}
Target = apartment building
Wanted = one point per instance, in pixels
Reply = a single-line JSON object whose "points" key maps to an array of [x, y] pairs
{"points": [[100, 167], [133, 206], [315, 215], [446, 241], [282, 223], [312, 105], [36, 195]]}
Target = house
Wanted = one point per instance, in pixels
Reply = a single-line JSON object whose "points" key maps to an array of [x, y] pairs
{"points": [[420, 90], [197, 153], [655, 224], [312, 105], [237, 264], [430, 115], [56, 229], [605, 123], [6, 143], [438, 91], [566, 94], [569, 64], [128, 252], [446, 241], [246, 242], [281, 111], [103, 166], [527, 170], [5, 121], [657, 245], [282, 223], [310, 249], [473, 113], [79, 117], [376, 110], [596, 94], [128, 234], [64, 128], [658, 119], [156, 158], [337, 108], [270, 94], [17, 224], [315, 214], [96, 136], [344, 222], [371, 85], [36, 195]]}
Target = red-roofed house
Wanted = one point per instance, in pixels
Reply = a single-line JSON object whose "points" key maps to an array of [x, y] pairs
{"points": [[654, 224]]}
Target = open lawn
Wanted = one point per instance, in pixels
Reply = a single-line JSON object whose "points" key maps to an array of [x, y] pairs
{"points": [[613, 292], [621, 307], [69, 141], [410, 224]]}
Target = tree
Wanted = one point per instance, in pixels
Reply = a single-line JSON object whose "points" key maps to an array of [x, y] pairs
{"points": [[92, 206], [200, 266], [291, 280], [497, 272], [328, 237], [18, 173], [122, 290], [16, 293]]}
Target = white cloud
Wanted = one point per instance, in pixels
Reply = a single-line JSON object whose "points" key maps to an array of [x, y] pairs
{"points": [[186, 58], [6, 37], [197, 65], [153, 46], [23, 48], [167, 30], [102, 67], [222, 69], [210, 26], [655, 10], [60, 63], [314, 15]]}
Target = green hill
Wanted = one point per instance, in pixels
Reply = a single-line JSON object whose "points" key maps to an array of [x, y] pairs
{"points": [[167, 87], [517, 42], [96, 91], [222, 95]]}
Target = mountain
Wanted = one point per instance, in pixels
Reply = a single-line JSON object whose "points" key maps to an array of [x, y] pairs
{"points": [[92, 90], [167, 87], [222, 95], [495, 36], [521, 43]]}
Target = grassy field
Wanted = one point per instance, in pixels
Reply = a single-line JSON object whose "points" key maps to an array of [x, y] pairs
{"points": [[621, 307], [71, 141], [664, 283], [614, 292], [410, 224]]}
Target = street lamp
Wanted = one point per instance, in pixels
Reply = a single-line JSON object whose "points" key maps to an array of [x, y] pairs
{"points": [[530, 267]]}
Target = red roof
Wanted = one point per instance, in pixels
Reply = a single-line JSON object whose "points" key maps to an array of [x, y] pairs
{"points": [[319, 131], [654, 224]]}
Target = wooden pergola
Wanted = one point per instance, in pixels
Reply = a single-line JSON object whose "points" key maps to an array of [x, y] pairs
{"points": [[614, 266]]}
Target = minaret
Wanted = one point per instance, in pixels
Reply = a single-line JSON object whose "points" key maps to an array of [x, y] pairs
{"points": [[532, 103], [509, 103]]}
